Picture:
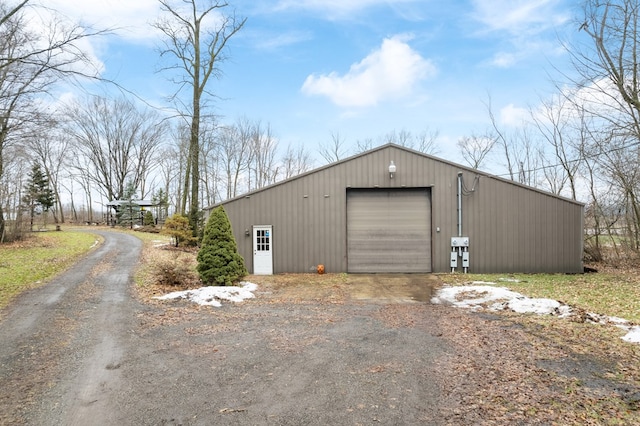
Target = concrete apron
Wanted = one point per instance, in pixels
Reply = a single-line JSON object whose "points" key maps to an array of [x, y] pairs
{"points": [[393, 288]]}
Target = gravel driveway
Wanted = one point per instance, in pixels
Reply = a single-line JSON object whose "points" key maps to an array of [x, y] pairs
{"points": [[83, 350], [349, 350]]}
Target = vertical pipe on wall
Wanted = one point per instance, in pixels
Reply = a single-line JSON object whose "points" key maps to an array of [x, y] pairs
{"points": [[459, 204]]}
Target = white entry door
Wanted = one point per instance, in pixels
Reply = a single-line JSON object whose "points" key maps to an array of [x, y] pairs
{"points": [[262, 250]]}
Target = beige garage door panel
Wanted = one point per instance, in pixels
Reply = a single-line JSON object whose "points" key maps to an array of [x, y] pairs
{"points": [[389, 231]]}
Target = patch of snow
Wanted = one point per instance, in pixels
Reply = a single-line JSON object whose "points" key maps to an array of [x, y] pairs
{"points": [[160, 243], [535, 306], [480, 295], [509, 280], [633, 336], [211, 296], [473, 296], [616, 320]]}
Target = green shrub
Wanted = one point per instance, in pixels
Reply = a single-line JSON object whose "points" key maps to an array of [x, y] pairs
{"points": [[147, 219], [177, 226], [219, 262]]}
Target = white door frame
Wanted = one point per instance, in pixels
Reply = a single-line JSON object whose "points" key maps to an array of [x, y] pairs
{"points": [[263, 249]]}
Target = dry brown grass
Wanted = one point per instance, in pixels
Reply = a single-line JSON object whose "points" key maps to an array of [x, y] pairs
{"points": [[158, 252]]}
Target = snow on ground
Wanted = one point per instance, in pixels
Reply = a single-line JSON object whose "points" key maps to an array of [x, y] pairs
{"points": [[212, 296], [484, 295]]}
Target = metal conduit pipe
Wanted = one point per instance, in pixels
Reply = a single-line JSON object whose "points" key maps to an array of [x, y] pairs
{"points": [[459, 204]]}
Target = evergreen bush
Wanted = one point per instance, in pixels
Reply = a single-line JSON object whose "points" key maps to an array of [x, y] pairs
{"points": [[178, 227], [147, 219], [219, 262]]}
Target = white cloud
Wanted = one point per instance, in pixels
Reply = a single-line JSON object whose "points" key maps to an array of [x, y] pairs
{"points": [[390, 72], [513, 116], [53, 26], [528, 25], [518, 16], [269, 41], [503, 59], [337, 8], [131, 18]]}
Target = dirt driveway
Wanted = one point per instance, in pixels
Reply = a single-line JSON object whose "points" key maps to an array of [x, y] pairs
{"points": [[308, 350]]}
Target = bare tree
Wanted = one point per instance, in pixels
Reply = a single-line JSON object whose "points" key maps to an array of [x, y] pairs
{"points": [[30, 65], [517, 149], [16, 166], [263, 165], [198, 51], [170, 172], [209, 154], [554, 122], [608, 93], [474, 149], [364, 145], [335, 150], [119, 141], [426, 141], [235, 153], [402, 138], [51, 149], [295, 161]]}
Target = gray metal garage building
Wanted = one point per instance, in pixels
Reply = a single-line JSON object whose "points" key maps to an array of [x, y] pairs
{"points": [[392, 209]]}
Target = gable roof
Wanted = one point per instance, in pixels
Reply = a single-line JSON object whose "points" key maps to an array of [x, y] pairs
{"points": [[380, 148]]}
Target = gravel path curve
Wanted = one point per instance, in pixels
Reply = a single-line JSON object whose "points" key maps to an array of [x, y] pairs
{"points": [[61, 345]]}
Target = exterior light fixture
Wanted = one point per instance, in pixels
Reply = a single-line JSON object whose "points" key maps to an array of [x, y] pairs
{"points": [[392, 169]]}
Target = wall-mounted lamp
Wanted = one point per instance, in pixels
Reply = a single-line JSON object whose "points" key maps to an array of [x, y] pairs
{"points": [[246, 232], [392, 169]]}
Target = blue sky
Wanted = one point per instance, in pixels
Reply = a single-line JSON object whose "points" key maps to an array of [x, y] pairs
{"points": [[360, 68]]}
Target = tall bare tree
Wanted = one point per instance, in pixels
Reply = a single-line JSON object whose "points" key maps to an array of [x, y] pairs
{"points": [[554, 120], [51, 149], [263, 158], [198, 49], [209, 168], [30, 65], [608, 92], [235, 153], [119, 141]]}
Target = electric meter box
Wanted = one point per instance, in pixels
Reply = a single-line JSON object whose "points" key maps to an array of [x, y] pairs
{"points": [[459, 241]]}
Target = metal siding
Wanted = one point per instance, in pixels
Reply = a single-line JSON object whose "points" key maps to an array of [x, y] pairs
{"points": [[515, 229], [512, 228]]}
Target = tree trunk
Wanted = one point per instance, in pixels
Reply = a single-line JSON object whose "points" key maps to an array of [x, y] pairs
{"points": [[1, 225], [194, 149], [187, 180]]}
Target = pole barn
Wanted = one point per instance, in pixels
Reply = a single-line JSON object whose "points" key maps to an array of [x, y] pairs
{"points": [[395, 210]]}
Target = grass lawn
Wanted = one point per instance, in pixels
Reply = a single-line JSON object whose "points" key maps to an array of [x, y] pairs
{"points": [[30, 263], [613, 292]]}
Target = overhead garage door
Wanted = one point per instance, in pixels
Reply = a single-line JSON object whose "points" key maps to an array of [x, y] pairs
{"points": [[389, 230]]}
